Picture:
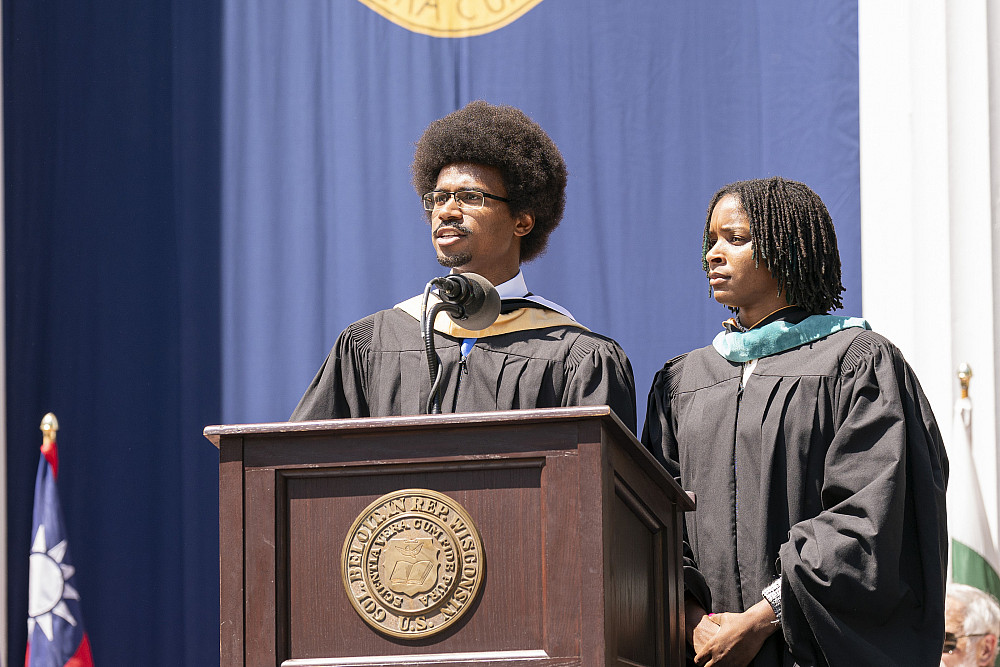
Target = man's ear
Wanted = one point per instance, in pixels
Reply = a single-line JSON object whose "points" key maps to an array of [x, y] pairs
{"points": [[524, 222], [986, 650]]}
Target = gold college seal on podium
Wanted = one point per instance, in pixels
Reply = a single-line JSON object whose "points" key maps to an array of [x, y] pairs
{"points": [[412, 563]]}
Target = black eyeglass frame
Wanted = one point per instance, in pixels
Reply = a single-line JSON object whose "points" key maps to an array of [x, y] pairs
{"points": [[952, 640], [428, 198]]}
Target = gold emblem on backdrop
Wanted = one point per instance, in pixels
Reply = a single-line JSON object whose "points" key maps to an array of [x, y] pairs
{"points": [[451, 18], [412, 563]]}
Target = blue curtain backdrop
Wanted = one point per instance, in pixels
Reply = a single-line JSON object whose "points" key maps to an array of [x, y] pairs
{"points": [[111, 138], [201, 195], [654, 104]]}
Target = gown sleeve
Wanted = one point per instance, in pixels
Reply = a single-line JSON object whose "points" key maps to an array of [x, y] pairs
{"points": [[340, 388], [658, 437], [599, 373], [863, 580]]}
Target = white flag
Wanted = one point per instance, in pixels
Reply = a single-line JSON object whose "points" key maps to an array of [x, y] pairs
{"points": [[974, 558]]}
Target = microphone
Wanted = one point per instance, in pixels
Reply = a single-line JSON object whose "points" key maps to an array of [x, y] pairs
{"points": [[477, 300]]}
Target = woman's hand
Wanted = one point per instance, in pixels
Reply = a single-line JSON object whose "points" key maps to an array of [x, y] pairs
{"points": [[736, 638]]}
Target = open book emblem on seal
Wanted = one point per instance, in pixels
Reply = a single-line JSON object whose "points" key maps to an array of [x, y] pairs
{"points": [[412, 563]]}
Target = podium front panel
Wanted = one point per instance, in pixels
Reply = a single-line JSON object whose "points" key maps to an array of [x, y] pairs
{"points": [[505, 502]]}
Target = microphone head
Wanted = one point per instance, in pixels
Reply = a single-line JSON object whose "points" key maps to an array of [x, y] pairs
{"points": [[481, 307]]}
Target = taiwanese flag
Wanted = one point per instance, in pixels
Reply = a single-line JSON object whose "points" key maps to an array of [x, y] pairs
{"points": [[56, 637]]}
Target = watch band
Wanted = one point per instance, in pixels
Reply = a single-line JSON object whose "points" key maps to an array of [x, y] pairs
{"points": [[773, 596]]}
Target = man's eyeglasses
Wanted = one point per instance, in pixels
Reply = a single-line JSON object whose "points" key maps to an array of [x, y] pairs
{"points": [[464, 198], [951, 640]]}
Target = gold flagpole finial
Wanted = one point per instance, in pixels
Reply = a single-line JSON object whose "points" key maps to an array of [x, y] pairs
{"points": [[49, 427], [964, 375]]}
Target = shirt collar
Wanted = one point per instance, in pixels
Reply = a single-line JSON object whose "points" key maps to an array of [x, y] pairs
{"points": [[515, 288]]}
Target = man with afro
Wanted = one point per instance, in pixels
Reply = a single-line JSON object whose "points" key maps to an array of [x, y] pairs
{"points": [[493, 185]]}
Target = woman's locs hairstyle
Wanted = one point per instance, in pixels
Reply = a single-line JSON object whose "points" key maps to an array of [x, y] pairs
{"points": [[792, 233]]}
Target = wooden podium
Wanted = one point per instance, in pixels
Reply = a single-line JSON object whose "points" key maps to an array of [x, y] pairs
{"points": [[580, 532]]}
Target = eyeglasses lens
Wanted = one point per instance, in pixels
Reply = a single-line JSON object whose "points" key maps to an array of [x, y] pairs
{"points": [[470, 198], [464, 198]]}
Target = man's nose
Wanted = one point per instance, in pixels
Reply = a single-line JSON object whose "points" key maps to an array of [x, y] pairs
{"points": [[450, 209]]}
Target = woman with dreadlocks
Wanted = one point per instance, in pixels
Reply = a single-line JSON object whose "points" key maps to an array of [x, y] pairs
{"points": [[820, 536]]}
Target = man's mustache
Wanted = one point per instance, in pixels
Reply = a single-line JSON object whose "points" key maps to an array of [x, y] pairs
{"points": [[457, 226]]}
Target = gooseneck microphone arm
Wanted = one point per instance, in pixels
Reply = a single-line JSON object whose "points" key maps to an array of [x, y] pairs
{"points": [[471, 301], [427, 318]]}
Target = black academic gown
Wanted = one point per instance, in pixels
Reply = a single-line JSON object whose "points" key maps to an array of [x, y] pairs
{"points": [[378, 368], [830, 472]]}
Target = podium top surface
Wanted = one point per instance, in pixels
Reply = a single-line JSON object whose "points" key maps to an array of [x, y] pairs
{"points": [[537, 415]]}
